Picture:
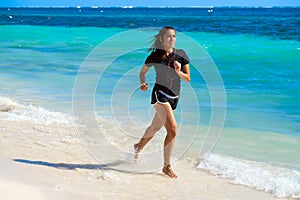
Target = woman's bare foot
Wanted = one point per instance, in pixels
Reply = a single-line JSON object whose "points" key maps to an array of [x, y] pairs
{"points": [[167, 170]]}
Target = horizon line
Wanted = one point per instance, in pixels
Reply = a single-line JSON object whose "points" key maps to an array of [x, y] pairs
{"points": [[131, 7]]}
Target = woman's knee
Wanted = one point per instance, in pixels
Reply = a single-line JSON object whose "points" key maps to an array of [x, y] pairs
{"points": [[172, 130], [155, 127]]}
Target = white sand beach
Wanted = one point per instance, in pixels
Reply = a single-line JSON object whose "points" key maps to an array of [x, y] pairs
{"points": [[49, 162]]}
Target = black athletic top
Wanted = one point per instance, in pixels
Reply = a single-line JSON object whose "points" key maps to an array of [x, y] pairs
{"points": [[167, 79]]}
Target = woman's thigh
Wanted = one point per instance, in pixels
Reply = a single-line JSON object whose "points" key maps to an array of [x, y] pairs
{"points": [[166, 114]]}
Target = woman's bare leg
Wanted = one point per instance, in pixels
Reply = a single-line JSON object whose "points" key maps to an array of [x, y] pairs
{"points": [[164, 116], [156, 124], [169, 142]]}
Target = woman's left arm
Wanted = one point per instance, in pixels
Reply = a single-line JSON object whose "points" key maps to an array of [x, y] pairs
{"points": [[184, 73]]}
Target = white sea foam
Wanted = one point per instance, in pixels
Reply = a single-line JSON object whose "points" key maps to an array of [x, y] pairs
{"points": [[278, 182], [7, 105], [12, 110]]}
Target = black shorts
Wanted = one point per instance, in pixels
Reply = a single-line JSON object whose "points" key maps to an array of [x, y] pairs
{"points": [[158, 96]]}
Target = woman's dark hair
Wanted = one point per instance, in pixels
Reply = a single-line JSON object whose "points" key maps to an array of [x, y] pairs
{"points": [[157, 44]]}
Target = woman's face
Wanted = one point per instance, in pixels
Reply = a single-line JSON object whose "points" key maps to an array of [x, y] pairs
{"points": [[169, 39]]}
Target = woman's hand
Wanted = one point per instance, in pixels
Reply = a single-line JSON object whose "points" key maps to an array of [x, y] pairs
{"points": [[144, 86], [177, 66], [185, 73]]}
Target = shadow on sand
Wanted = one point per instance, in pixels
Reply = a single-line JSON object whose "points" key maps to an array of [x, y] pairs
{"points": [[67, 166]]}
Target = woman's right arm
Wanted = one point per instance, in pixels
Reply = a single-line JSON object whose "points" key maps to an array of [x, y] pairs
{"points": [[144, 70]]}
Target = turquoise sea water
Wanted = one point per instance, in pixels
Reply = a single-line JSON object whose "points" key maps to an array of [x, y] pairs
{"points": [[256, 51], [260, 74]]}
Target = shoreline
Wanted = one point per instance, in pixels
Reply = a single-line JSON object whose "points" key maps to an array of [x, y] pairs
{"points": [[49, 160]]}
